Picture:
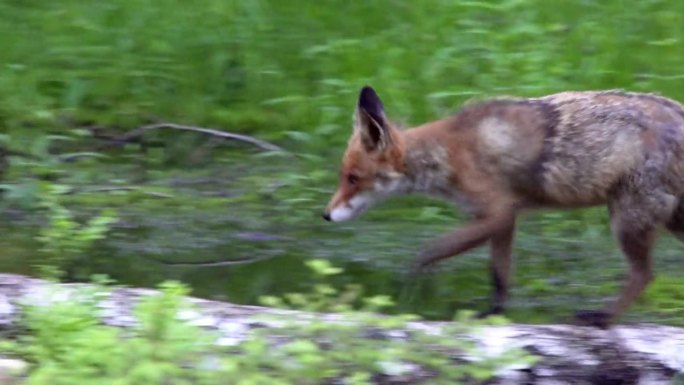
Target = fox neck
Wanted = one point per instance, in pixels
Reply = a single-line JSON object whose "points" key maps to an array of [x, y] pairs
{"points": [[427, 167]]}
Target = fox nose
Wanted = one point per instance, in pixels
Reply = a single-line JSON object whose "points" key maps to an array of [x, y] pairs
{"points": [[326, 216]]}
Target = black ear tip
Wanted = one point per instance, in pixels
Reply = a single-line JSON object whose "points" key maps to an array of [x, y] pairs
{"points": [[367, 92], [369, 99]]}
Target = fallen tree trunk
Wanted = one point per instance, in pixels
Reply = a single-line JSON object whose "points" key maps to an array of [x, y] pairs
{"points": [[635, 354]]}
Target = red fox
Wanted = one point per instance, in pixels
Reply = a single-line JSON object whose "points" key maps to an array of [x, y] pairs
{"points": [[498, 157]]}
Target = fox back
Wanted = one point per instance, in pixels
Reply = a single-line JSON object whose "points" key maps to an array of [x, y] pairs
{"points": [[566, 149]]}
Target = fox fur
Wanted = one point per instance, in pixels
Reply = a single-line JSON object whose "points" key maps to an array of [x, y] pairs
{"points": [[498, 157]]}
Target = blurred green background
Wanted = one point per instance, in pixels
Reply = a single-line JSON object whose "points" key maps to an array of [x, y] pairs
{"points": [[289, 72]]}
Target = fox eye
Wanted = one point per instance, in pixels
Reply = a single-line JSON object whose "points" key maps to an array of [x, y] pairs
{"points": [[352, 179]]}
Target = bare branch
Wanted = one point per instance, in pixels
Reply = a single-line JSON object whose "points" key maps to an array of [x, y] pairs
{"points": [[129, 136], [231, 262], [106, 189], [131, 188]]}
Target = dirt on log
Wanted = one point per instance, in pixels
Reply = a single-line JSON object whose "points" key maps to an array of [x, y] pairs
{"points": [[641, 354]]}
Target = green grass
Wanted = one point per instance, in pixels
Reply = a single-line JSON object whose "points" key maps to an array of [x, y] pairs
{"points": [[269, 67]]}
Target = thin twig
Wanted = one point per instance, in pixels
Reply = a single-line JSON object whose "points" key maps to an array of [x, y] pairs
{"points": [[127, 137], [231, 262], [105, 189]]}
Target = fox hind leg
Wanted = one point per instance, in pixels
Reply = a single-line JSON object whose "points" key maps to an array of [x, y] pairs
{"points": [[634, 221], [501, 245], [636, 246]]}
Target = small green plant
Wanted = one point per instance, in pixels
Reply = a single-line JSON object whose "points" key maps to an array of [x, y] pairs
{"points": [[360, 345], [24, 174], [64, 240], [67, 343], [666, 296], [324, 297]]}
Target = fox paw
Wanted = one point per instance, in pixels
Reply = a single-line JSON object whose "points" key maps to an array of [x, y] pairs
{"points": [[419, 267], [594, 318]]}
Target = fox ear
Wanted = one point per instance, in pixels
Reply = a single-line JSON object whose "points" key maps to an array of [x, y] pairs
{"points": [[370, 120]]}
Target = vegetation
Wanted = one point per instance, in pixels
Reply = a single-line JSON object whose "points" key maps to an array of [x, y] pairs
{"points": [[64, 240], [67, 344], [77, 74]]}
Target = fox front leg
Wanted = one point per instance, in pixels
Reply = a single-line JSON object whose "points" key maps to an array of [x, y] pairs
{"points": [[473, 234], [499, 229], [501, 248]]}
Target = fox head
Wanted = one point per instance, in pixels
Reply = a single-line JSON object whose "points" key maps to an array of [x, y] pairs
{"points": [[372, 166]]}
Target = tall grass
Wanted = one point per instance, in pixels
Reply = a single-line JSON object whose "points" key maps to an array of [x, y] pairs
{"points": [[270, 66]]}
